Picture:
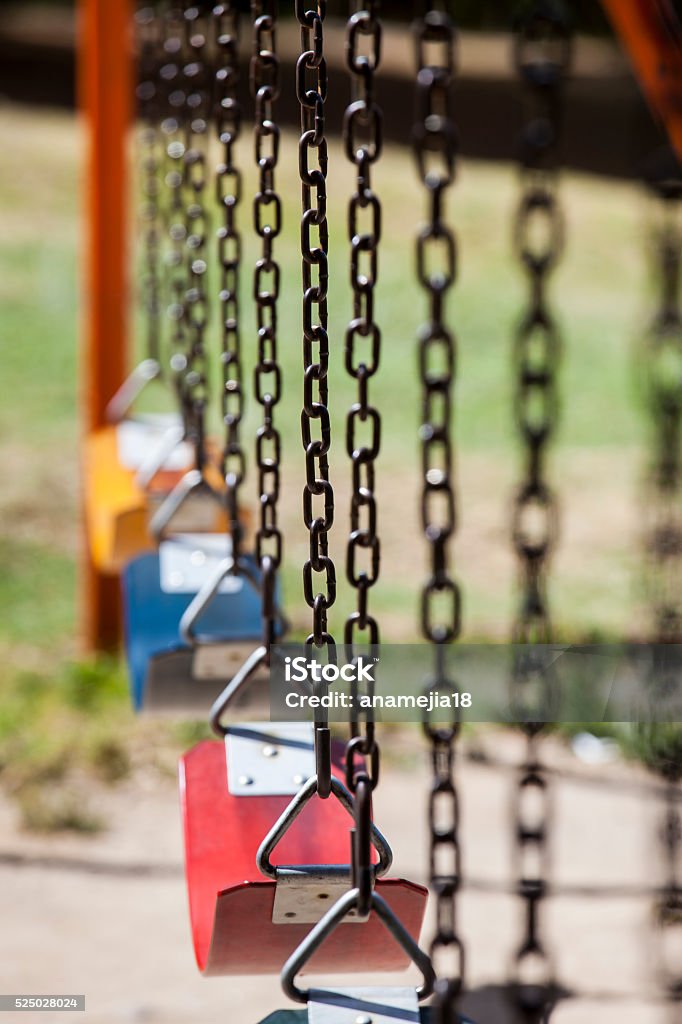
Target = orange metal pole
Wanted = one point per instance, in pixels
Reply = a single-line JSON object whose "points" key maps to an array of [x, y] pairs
{"points": [[106, 92], [650, 32]]}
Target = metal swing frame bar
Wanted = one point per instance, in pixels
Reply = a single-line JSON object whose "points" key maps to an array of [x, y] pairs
{"points": [[106, 91]]}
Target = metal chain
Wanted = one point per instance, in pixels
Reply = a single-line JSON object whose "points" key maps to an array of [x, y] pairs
{"points": [[362, 135], [149, 34], [542, 53], [311, 90], [228, 117], [664, 399], [172, 128], [264, 77], [197, 99], [435, 146], [669, 910], [664, 551]]}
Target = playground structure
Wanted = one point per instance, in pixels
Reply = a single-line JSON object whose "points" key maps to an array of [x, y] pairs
{"points": [[200, 571]]}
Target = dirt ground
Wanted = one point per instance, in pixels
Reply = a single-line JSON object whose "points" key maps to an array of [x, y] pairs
{"points": [[107, 916]]}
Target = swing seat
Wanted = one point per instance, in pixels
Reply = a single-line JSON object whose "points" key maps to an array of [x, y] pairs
{"points": [[166, 673], [232, 905], [117, 507]]}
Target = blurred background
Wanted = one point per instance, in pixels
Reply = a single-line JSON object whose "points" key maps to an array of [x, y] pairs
{"points": [[91, 892]]}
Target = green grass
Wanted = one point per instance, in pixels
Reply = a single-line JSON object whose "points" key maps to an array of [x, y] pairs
{"points": [[601, 292]]}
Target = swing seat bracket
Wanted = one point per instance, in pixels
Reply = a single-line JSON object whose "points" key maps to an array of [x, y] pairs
{"points": [[306, 893], [269, 759]]}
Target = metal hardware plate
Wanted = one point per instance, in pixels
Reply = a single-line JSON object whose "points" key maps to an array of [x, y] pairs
{"points": [[187, 559], [138, 439], [363, 1006], [269, 758], [304, 895]]}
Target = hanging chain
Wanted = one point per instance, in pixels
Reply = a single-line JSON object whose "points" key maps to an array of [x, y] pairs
{"points": [[362, 134], [149, 33], [664, 399], [228, 116], [267, 210], [311, 90], [435, 145], [172, 127], [197, 99], [542, 55], [664, 550], [669, 910]]}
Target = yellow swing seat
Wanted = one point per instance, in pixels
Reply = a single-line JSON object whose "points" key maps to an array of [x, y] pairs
{"points": [[118, 508]]}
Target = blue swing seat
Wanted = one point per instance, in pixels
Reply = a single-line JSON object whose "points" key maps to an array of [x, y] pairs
{"points": [[167, 673]]}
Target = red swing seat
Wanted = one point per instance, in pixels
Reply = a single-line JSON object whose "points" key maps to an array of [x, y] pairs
{"points": [[231, 903]]}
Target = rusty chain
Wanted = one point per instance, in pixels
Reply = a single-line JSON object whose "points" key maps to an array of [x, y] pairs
{"points": [[311, 91], [542, 54], [228, 183], [362, 136], [435, 147], [264, 78]]}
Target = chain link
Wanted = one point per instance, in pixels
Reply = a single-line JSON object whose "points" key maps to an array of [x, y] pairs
{"points": [[435, 147], [228, 182], [264, 78], [311, 91], [542, 53], [362, 135]]}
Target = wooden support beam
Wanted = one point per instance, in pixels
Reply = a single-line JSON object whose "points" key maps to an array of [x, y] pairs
{"points": [[106, 92]]}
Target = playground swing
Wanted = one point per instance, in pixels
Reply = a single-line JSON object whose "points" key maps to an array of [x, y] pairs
{"points": [[193, 610], [135, 461], [242, 798]]}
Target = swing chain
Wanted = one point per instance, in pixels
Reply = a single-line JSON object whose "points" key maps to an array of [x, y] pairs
{"points": [[665, 403], [311, 92], [228, 115], [264, 78], [148, 27], [435, 147], [172, 128], [669, 910], [663, 742], [542, 55], [197, 101], [362, 135]]}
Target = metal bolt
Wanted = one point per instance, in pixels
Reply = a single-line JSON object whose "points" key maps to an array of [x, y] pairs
{"points": [[298, 780], [363, 1019], [197, 557], [245, 780], [270, 751]]}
